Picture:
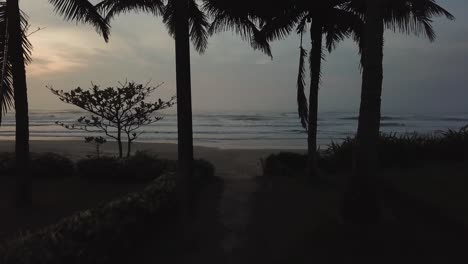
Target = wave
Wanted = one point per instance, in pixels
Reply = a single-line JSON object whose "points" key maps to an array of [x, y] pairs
{"points": [[392, 125], [383, 118]]}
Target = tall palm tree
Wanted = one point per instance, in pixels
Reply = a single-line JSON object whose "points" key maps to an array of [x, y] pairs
{"points": [[15, 50], [185, 21], [406, 16], [328, 22]]}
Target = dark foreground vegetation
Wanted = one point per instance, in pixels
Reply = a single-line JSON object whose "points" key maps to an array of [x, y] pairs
{"points": [[394, 151], [422, 202], [109, 230]]}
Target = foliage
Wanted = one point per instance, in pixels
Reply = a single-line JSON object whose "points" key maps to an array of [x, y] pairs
{"points": [[98, 168], [143, 166], [97, 142], [197, 19], [285, 163], [140, 167], [6, 70], [97, 235], [114, 111], [43, 165], [79, 11], [7, 163], [395, 151], [51, 165], [203, 172]]}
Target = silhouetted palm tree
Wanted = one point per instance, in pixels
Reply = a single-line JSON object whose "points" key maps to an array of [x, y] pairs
{"points": [[406, 16], [15, 51], [328, 24], [185, 21]]}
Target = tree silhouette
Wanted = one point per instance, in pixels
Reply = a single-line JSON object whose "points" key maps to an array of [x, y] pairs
{"points": [[406, 16], [185, 21], [328, 24], [15, 50], [114, 111]]}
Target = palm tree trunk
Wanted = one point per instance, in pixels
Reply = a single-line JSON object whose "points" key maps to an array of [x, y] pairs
{"points": [[184, 103], [23, 198], [366, 182], [315, 70]]}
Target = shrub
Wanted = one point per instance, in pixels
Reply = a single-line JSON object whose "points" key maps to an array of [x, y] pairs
{"points": [[99, 235], [203, 171], [141, 167], [52, 166], [285, 164], [43, 165], [395, 151], [7, 163], [98, 168]]}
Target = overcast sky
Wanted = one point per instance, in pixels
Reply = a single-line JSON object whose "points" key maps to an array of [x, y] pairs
{"points": [[419, 76]]}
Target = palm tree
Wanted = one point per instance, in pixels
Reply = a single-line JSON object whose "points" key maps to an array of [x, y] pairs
{"points": [[15, 54], [406, 16], [185, 21], [328, 24]]}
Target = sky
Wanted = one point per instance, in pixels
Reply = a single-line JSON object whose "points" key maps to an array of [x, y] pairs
{"points": [[419, 76]]}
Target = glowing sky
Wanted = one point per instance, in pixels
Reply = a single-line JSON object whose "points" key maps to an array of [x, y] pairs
{"points": [[419, 76]]}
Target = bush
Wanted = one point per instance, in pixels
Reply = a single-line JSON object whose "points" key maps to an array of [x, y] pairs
{"points": [[203, 171], [100, 235], [7, 163], [43, 165], [99, 168], [395, 151], [285, 164], [141, 167], [52, 166]]}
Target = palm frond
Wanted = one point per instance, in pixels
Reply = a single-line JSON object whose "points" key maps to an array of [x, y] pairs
{"points": [[339, 25], [198, 23], [405, 16], [414, 17], [301, 97], [112, 8], [6, 73], [279, 27], [82, 11], [228, 18]]}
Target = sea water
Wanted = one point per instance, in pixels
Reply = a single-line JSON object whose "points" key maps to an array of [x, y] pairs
{"points": [[271, 130]]}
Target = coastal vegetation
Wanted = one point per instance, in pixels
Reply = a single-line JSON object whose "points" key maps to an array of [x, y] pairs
{"points": [[16, 50], [348, 188], [117, 112], [394, 151]]}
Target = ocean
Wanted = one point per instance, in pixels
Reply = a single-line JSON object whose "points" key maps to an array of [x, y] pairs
{"points": [[274, 130]]}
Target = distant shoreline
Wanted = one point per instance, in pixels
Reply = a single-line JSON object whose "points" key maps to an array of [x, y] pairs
{"points": [[7, 140]]}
